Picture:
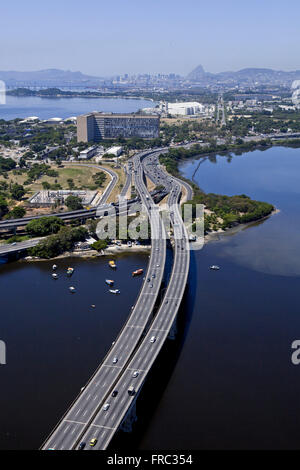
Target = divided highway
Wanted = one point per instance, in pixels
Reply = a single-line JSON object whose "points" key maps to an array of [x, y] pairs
{"points": [[75, 422], [132, 355], [107, 421]]}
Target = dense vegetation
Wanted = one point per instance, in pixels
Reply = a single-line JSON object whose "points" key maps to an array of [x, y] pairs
{"points": [[228, 211], [74, 203], [6, 164], [44, 226], [57, 244]]}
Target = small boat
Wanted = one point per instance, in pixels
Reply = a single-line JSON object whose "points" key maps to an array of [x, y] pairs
{"points": [[55, 276], [72, 289], [112, 264], [138, 272], [214, 268], [114, 291], [109, 282], [54, 267], [70, 271]]}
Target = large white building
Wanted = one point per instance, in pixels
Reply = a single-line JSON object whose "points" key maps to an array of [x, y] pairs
{"points": [[186, 108]]}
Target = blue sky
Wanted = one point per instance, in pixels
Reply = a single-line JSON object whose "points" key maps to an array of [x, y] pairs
{"points": [[128, 36]]}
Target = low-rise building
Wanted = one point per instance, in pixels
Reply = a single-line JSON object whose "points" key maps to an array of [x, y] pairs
{"points": [[88, 153]]}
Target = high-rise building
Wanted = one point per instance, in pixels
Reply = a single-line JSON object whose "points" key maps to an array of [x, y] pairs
{"points": [[95, 127]]}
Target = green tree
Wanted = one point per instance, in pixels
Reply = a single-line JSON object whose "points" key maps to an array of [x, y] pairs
{"points": [[16, 213], [17, 192], [44, 226], [74, 203]]}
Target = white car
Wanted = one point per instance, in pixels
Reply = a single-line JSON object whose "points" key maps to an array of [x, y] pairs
{"points": [[106, 407], [135, 374], [115, 360], [153, 339]]}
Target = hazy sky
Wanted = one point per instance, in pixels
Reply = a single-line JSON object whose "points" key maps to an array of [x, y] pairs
{"points": [[105, 37]]}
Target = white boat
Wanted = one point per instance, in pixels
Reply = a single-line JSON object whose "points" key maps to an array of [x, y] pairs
{"points": [[114, 291], [215, 268], [55, 276], [54, 267], [72, 289]]}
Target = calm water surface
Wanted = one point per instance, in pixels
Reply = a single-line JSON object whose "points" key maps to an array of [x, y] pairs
{"points": [[46, 108], [234, 385], [55, 340]]}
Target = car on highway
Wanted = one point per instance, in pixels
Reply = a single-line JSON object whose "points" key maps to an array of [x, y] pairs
{"points": [[153, 339], [106, 407], [114, 393], [81, 446], [131, 391], [135, 374], [115, 360], [93, 442]]}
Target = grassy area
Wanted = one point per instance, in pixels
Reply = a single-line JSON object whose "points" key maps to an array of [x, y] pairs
{"points": [[82, 178]]}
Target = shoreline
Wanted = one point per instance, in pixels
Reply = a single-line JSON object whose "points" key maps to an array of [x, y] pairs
{"points": [[116, 250], [109, 251], [221, 234]]}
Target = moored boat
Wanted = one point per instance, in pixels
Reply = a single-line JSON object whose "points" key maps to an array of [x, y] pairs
{"points": [[114, 291], [72, 290], [55, 276], [138, 272], [54, 267], [70, 271], [109, 282], [215, 268], [112, 264]]}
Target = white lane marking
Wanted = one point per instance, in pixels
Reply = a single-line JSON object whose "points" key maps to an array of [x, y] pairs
{"points": [[74, 422], [66, 429], [112, 367], [104, 427]]}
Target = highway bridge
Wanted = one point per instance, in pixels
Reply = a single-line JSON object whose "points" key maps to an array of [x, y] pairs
{"points": [[142, 336]]}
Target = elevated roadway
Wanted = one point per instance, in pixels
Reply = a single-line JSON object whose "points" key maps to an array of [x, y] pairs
{"points": [[75, 422]]}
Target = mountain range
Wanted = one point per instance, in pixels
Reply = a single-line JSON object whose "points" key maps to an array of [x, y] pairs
{"points": [[248, 76]]}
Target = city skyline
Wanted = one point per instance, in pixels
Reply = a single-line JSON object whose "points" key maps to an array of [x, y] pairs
{"points": [[168, 37]]}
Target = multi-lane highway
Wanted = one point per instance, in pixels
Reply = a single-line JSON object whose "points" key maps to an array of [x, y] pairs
{"points": [[16, 247], [76, 421], [109, 418], [86, 417]]}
